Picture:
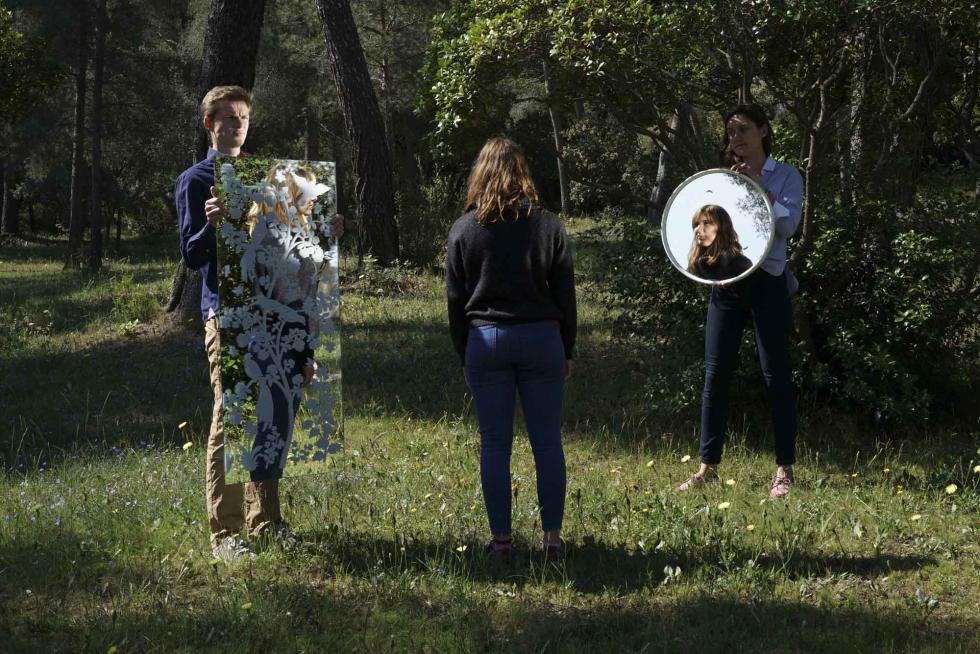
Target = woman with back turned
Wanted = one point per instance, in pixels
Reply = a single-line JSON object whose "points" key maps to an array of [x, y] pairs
{"points": [[510, 284]]}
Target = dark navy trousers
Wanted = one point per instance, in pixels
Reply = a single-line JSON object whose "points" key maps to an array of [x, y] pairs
{"points": [[282, 395], [529, 359], [765, 299]]}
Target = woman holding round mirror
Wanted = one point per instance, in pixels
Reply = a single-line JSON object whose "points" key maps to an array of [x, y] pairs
{"points": [[764, 295]]}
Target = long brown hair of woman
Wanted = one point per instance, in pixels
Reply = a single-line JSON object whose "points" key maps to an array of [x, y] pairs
{"points": [[260, 209], [500, 181], [757, 115], [726, 240]]}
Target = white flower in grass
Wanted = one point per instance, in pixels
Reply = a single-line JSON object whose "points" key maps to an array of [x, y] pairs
{"points": [[952, 488], [724, 505], [916, 517], [685, 458], [729, 482]]}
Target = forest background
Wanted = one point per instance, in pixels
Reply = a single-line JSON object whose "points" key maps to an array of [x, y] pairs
{"points": [[615, 103]]}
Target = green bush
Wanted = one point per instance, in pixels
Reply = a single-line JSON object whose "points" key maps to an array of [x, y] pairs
{"points": [[609, 165], [890, 300], [893, 306], [659, 307], [425, 216]]}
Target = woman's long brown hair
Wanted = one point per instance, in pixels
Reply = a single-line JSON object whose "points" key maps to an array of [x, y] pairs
{"points": [[500, 181], [726, 240], [260, 209]]}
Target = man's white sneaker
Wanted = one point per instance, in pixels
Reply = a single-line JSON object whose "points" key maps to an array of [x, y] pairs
{"points": [[230, 549]]}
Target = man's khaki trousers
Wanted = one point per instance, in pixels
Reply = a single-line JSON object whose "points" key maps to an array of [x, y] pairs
{"points": [[225, 502]]}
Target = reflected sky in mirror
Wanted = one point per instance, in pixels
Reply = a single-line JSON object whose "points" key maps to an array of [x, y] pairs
{"points": [[742, 198]]}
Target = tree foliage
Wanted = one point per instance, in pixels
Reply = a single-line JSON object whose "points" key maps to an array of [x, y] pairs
{"points": [[874, 100]]}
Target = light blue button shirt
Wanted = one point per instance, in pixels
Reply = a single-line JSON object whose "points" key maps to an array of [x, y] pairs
{"points": [[785, 184]]}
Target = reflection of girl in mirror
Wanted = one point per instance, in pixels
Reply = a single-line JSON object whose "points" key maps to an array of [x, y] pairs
{"points": [[715, 251], [282, 261], [764, 296]]}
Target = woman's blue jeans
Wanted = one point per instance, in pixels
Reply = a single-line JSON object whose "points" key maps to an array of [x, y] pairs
{"points": [[528, 358], [765, 298]]}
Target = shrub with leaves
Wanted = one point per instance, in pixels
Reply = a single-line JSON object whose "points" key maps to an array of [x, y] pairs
{"points": [[610, 165], [892, 299], [889, 300]]}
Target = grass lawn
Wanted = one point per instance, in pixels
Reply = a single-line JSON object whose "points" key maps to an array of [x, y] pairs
{"points": [[104, 543]]}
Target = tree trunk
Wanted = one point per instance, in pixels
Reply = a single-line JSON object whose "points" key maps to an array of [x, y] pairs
{"points": [[95, 205], [76, 220], [311, 152], [385, 76], [748, 74], [231, 44], [852, 134], [10, 221], [663, 186], [556, 128], [340, 172], [110, 214], [900, 159], [373, 186], [184, 303]]}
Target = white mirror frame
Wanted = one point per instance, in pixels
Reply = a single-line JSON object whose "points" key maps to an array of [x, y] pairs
{"points": [[682, 266]]}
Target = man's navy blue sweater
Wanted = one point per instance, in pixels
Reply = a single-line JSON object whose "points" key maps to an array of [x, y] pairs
{"points": [[198, 243]]}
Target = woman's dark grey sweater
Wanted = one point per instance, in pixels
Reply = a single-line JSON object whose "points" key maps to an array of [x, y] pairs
{"points": [[510, 271]]}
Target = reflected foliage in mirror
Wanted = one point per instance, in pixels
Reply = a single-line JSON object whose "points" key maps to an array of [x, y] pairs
{"points": [[278, 281]]}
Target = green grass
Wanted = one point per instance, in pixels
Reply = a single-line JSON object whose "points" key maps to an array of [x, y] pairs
{"points": [[103, 538]]}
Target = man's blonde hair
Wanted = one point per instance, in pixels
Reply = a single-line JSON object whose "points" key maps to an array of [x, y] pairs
{"points": [[220, 94]]}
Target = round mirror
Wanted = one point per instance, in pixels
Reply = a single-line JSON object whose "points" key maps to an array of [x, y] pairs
{"points": [[718, 226]]}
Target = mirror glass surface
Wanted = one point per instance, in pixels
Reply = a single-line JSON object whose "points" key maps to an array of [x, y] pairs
{"points": [[280, 317], [745, 203]]}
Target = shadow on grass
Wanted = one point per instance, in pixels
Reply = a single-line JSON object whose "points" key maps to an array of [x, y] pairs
{"points": [[359, 601], [291, 617], [591, 568], [118, 392], [140, 249]]}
